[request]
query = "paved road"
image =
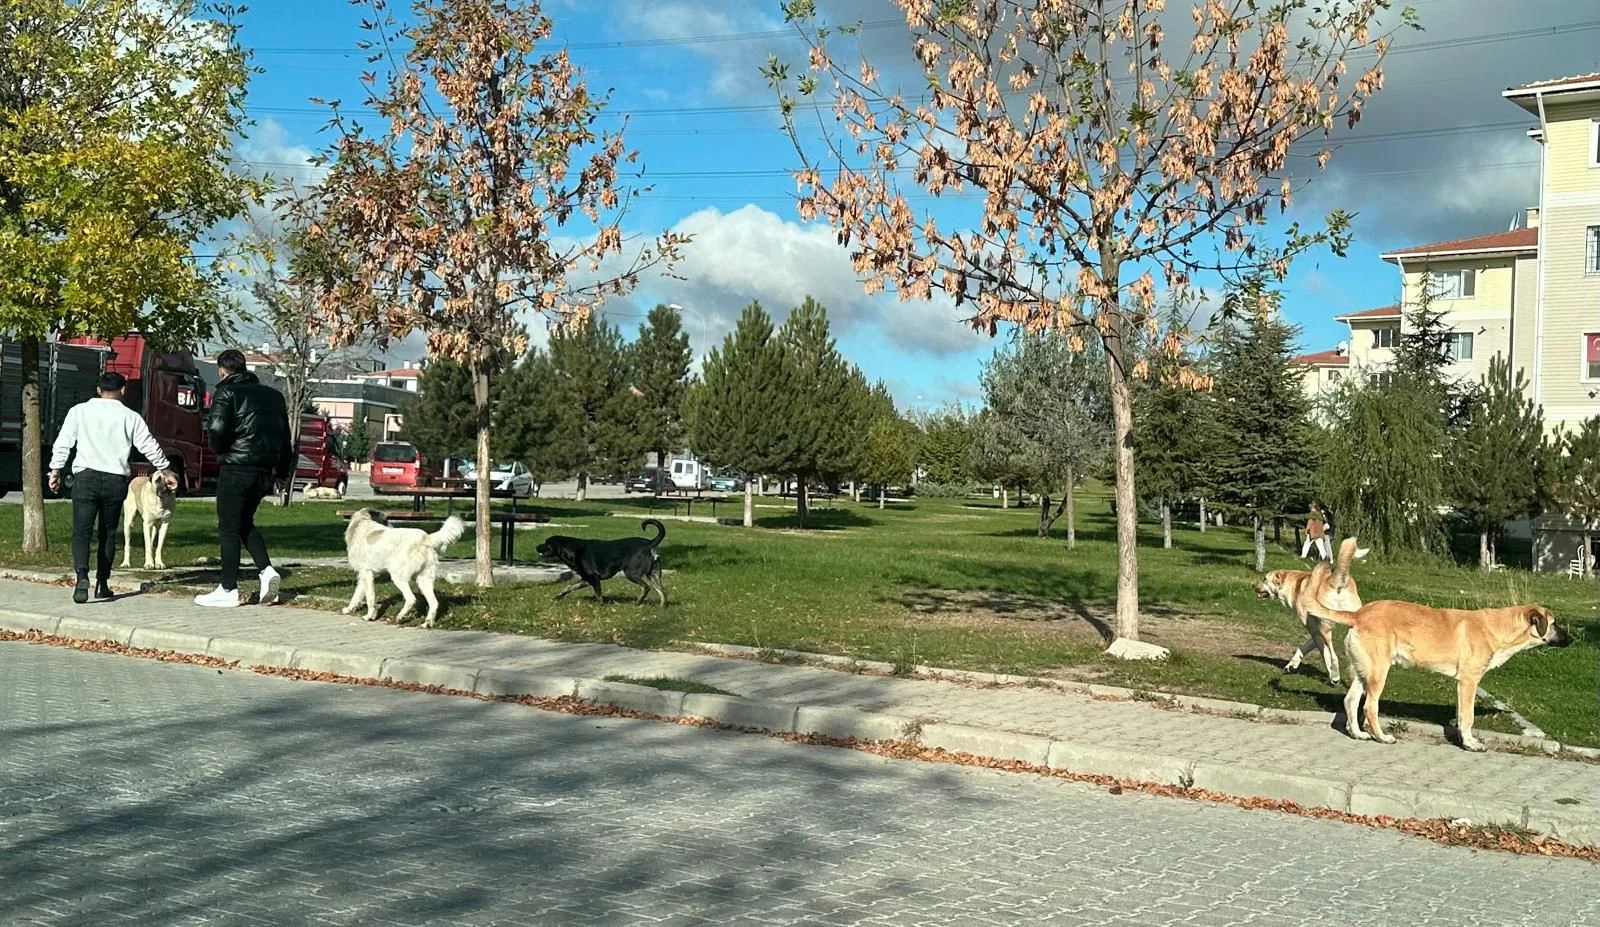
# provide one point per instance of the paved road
(136, 792)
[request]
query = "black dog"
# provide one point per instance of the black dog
(593, 561)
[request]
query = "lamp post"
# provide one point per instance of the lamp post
(699, 315)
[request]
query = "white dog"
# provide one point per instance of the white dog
(406, 554)
(153, 502)
(322, 492)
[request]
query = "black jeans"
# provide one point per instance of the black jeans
(239, 493)
(96, 497)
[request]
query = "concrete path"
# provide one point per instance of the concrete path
(1307, 763)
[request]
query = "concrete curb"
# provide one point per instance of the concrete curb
(1242, 710)
(1573, 824)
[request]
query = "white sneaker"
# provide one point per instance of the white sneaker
(269, 587)
(218, 598)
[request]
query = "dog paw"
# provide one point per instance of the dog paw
(1385, 738)
(1359, 734)
(371, 616)
(347, 611)
(1473, 744)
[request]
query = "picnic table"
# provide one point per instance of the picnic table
(508, 521)
(688, 502)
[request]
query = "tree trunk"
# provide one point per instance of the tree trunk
(1261, 544)
(800, 502)
(294, 442)
(1072, 514)
(1166, 523)
(482, 551)
(883, 493)
(1277, 530)
(35, 539)
(1485, 554)
(1127, 625)
(1202, 514)
(1005, 498)
(749, 504)
(583, 487)
(1044, 515)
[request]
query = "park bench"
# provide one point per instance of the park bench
(508, 522)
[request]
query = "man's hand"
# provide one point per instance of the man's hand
(55, 481)
(170, 478)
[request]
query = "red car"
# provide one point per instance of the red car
(398, 466)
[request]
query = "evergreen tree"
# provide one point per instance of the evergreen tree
(1496, 456)
(891, 453)
(1577, 481)
(1169, 426)
(357, 444)
(658, 363)
(526, 422)
(944, 448)
(823, 419)
(440, 421)
(596, 429)
(1261, 413)
(738, 413)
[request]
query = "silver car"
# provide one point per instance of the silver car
(505, 476)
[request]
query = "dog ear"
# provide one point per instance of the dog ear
(1361, 552)
(1539, 619)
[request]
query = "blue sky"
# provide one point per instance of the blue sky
(1438, 156)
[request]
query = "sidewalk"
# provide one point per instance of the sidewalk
(1306, 763)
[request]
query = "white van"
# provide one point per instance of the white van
(688, 474)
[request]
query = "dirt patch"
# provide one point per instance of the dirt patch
(1082, 623)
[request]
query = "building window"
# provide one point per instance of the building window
(1453, 284)
(1335, 376)
(1591, 250)
(1458, 345)
(1385, 337)
(1591, 356)
(1383, 379)
(1594, 143)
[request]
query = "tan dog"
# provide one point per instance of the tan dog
(1449, 641)
(1298, 590)
(153, 502)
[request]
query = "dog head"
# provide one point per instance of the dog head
(167, 494)
(1544, 628)
(1271, 585)
(556, 547)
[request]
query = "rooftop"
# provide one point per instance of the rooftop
(1513, 242)
(1583, 86)
(1323, 359)
(1382, 312)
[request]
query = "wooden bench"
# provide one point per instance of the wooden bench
(508, 522)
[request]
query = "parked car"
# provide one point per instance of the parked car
(504, 475)
(727, 482)
(651, 480)
(398, 466)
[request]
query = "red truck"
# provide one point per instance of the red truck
(320, 461)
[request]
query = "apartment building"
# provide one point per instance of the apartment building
(1531, 293)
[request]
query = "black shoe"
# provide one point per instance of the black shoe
(102, 590)
(80, 592)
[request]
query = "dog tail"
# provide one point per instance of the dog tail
(448, 533)
(1348, 553)
(1337, 616)
(661, 531)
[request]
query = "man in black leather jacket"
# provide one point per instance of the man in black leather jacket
(248, 427)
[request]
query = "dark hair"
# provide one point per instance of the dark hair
(111, 381)
(231, 361)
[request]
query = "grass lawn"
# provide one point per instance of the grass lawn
(963, 585)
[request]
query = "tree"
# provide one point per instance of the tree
(1497, 456)
(945, 447)
(455, 220)
(439, 422)
(822, 421)
(1101, 161)
(528, 416)
(1169, 426)
(1577, 484)
(357, 443)
(117, 122)
(659, 364)
(891, 453)
(738, 413)
(1262, 418)
(283, 316)
(595, 428)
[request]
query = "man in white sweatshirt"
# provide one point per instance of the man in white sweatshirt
(104, 431)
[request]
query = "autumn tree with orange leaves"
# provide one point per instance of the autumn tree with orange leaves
(1102, 163)
(488, 199)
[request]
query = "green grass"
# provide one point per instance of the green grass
(670, 684)
(962, 585)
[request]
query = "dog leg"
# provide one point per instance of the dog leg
(1330, 660)
(355, 596)
(425, 584)
(577, 584)
(1352, 698)
(1466, 704)
(1376, 677)
(595, 584)
(149, 544)
(127, 534)
(372, 595)
(161, 544)
(404, 584)
(1300, 654)
(655, 580)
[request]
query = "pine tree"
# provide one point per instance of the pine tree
(596, 429)
(821, 420)
(526, 422)
(1577, 482)
(738, 413)
(890, 455)
(357, 444)
(440, 422)
(1496, 456)
(945, 447)
(1261, 413)
(1168, 426)
(658, 364)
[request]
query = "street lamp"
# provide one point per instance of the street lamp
(699, 315)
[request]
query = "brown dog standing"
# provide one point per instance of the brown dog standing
(1299, 590)
(1450, 641)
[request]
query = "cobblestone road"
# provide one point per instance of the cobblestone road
(135, 792)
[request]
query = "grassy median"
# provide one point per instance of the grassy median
(964, 585)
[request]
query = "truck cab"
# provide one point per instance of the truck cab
(167, 391)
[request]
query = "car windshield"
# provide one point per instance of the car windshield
(394, 453)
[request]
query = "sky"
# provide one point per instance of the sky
(1438, 155)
